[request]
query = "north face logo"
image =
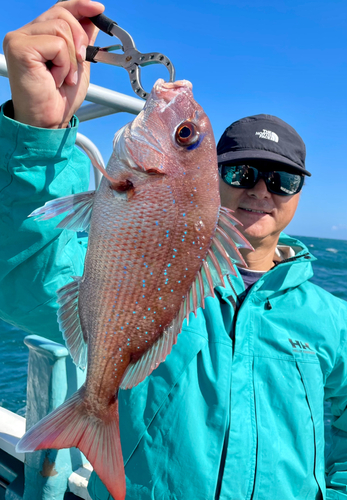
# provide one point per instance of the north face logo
(267, 134)
(299, 346)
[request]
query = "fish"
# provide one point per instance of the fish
(159, 242)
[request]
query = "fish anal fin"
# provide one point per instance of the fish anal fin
(70, 425)
(136, 372)
(69, 322)
(78, 208)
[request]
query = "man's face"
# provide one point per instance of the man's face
(263, 214)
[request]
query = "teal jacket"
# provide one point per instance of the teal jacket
(236, 411)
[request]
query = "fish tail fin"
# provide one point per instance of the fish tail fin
(70, 425)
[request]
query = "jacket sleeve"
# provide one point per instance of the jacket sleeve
(36, 259)
(336, 394)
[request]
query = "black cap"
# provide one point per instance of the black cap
(263, 138)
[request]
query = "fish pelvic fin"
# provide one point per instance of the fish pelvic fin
(97, 436)
(69, 322)
(78, 208)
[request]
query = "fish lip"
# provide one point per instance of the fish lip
(164, 93)
(161, 85)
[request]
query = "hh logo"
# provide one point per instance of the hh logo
(299, 346)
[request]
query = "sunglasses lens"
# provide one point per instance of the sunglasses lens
(277, 182)
(242, 176)
(284, 183)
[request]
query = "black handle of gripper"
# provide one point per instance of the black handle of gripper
(103, 22)
(91, 53)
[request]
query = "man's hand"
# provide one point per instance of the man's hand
(46, 63)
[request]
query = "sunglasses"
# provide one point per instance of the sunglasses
(246, 177)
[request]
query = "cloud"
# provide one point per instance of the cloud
(339, 227)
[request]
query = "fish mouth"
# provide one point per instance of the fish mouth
(168, 90)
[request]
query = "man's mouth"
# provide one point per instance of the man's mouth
(254, 211)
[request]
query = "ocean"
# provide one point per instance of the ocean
(330, 273)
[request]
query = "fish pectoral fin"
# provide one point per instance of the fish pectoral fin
(97, 436)
(79, 208)
(70, 324)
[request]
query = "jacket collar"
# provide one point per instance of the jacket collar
(294, 269)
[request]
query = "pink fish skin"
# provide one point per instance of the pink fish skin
(150, 231)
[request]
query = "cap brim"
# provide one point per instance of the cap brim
(262, 155)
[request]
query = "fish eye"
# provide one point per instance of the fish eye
(187, 133)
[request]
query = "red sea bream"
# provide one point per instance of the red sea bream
(158, 244)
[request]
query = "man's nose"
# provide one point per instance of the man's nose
(259, 191)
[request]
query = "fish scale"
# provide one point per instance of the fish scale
(158, 244)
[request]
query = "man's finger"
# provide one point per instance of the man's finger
(90, 29)
(60, 29)
(72, 11)
(59, 55)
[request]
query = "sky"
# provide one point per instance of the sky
(287, 58)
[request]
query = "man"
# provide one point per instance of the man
(236, 410)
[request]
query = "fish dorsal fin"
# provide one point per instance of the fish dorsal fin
(221, 256)
(70, 324)
(79, 208)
